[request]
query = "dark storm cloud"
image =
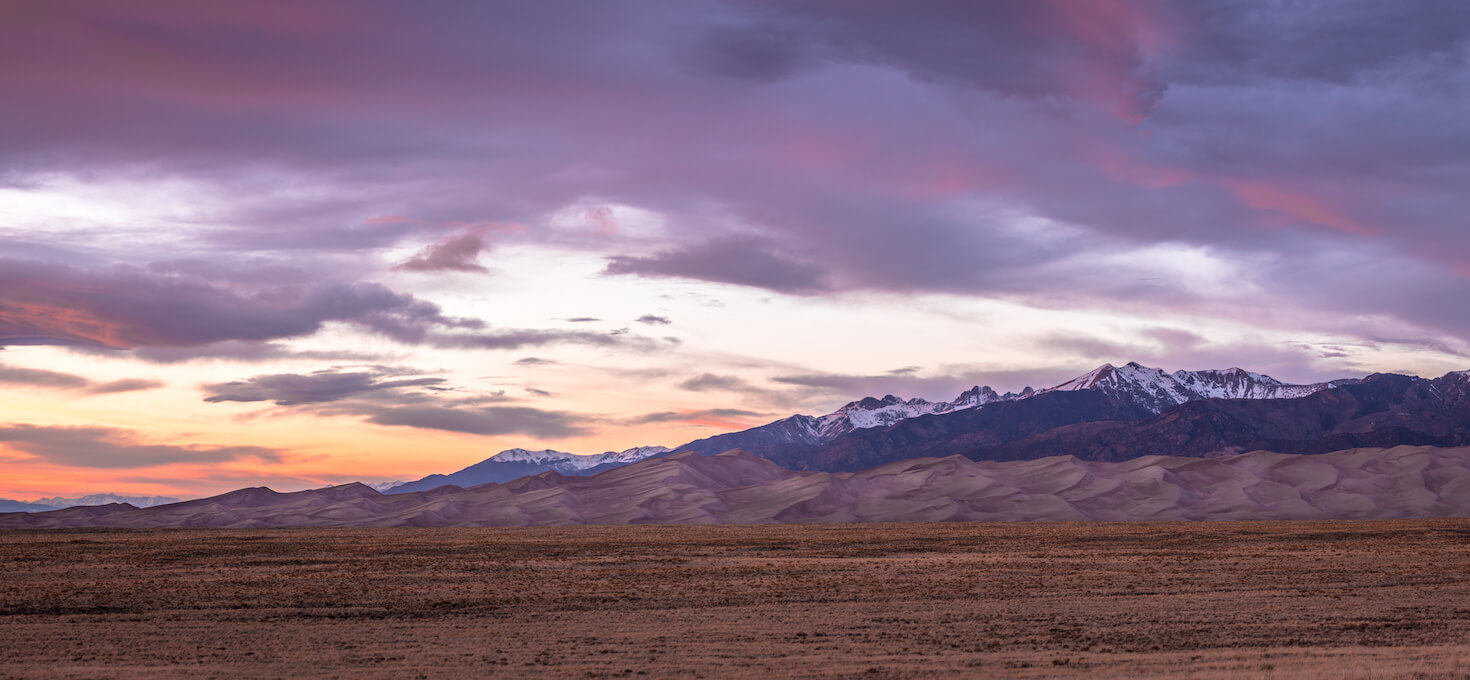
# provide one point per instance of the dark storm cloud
(1016, 47)
(98, 447)
(491, 420)
(1026, 149)
(1342, 40)
(742, 261)
(760, 52)
(290, 389)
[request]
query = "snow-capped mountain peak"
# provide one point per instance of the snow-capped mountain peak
(1158, 391)
(871, 412)
(890, 410)
(563, 461)
(527, 456)
(632, 455)
(105, 499)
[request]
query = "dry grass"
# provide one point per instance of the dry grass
(1270, 599)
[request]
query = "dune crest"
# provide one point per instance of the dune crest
(736, 487)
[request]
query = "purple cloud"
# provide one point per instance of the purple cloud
(34, 377)
(1015, 149)
(128, 308)
(99, 447)
(290, 389)
(41, 378)
(488, 420)
(456, 253)
(742, 261)
(727, 417)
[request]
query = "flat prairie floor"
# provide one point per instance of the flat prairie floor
(1382, 599)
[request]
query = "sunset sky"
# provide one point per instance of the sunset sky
(299, 243)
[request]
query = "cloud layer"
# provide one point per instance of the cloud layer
(98, 447)
(319, 190)
(993, 148)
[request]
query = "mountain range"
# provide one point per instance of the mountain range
(847, 439)
(58, 502)
(737, 487)
(1129, 424)
(516, 463)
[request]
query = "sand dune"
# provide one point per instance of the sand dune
(736, 487)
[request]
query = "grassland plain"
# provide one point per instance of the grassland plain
(1381, 599)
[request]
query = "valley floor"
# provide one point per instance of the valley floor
(1211, 600)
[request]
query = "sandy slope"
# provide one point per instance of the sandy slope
(739, 488)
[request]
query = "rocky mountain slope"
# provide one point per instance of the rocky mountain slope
(736, 487)
(1382, 410)
(7, 505)
(855, 436)
(852, 437)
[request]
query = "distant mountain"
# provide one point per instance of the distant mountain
(787, 438)
(106, 498)
(7, 505)
(853, 437)
(516, 463)
(1157, 391)
(872, 432)
(1382, 410)
(58, 502)
(736, 487)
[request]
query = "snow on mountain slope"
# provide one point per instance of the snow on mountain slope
(1134, 387)
(890, 410)
(562, 461)
(106, 499)
(515, 463)
(1143, 389)
(1158, 391)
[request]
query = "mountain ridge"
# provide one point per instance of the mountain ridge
(827, 442)
(60, 502)
(737, 487)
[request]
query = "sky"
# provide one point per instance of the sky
(301, 243)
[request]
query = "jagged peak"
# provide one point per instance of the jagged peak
(873, 403)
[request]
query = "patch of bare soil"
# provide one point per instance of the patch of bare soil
(1216, 600)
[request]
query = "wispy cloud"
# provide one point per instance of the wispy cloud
(98, 447)
(34, 377)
